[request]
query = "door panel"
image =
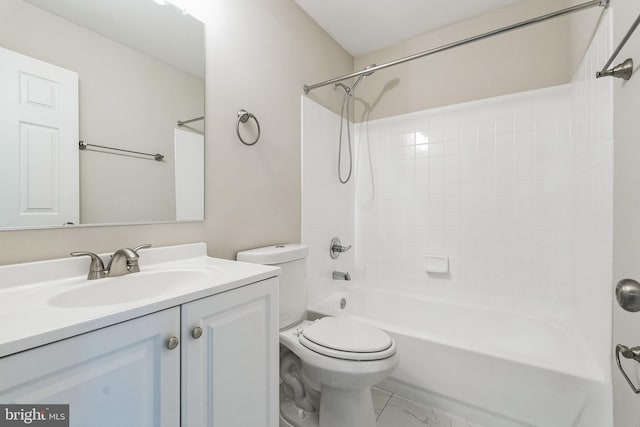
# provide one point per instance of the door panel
(39, 142)
(230, 373)
(626, 325)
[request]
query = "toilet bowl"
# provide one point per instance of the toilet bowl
(340, 358)
(343, 375)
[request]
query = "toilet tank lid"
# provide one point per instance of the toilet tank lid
(276, 254)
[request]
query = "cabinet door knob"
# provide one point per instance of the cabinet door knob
(172, 343)
(196, 332)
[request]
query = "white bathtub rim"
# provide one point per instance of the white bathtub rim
(584, 367)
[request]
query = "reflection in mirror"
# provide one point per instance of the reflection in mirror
(113, 73)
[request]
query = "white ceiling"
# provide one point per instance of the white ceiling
(362, 26)
(161, 32)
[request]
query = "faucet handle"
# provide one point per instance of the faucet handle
(336, 248)
(137, 248)
(96, 268)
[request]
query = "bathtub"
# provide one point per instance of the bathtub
(498, 368)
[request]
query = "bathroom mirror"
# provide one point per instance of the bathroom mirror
(118, 75)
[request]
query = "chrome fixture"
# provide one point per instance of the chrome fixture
(83, 146)
(621, 71)
(336, 248)
(348, 93)
(123, 261)
(340, 275)
(96, 268)
(625, 69)
(184, 122)
(542, 18)
(628, 353)
(172, 343)
(196, 332)
(628, 295)
(243, 117)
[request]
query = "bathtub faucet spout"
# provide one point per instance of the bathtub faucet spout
(339, 275)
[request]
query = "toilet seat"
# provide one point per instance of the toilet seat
(347, 339)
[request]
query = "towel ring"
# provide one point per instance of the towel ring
(243, 117)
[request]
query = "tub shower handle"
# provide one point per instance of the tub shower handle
(628, 353)
(336, 248)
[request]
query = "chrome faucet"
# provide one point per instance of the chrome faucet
(339, 275)
(123, 261)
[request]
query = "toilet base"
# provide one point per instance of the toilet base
(346, 408)
(292, 416)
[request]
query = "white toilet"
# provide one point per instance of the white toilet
(340, 358)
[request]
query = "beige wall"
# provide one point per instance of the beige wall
(582, 27)
(127, 100)
(263, 52)
(259, 55)
(530, 58)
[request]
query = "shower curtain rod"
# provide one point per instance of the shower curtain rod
(542, 18)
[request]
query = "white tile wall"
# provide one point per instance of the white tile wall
(592, 190)
(486, 183)
(327, 205)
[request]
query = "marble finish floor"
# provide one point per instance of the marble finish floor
(393, 410)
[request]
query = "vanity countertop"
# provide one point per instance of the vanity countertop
(31, 314)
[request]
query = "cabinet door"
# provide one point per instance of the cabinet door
(122, 375)
(230, 373)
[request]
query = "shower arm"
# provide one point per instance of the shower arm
(532, 21)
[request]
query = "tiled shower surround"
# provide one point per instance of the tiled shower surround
(516, 190)
(505, 187)
(485, 184)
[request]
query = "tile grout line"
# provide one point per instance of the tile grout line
(385, 405)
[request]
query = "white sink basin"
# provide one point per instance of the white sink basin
(128, 288)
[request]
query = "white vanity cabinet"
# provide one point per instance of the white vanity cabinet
(230, 358)
(127, 374)
(122, 375)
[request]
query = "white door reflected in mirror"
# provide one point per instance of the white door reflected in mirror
(39, 129)
(135, 79)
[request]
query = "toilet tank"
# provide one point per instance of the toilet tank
(292, 259)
